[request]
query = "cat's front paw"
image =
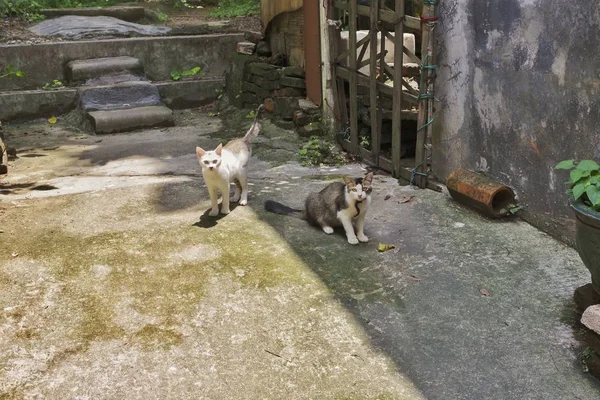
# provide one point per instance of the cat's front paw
(243, 202)
(328, 230)
(353, 240)
(362, 238)
(213, 213)
(225, 212)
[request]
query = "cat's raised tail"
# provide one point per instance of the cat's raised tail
(278, 208)
(256, 127)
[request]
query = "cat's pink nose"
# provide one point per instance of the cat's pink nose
(211, 168)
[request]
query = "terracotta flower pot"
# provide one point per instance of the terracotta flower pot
(588, 239)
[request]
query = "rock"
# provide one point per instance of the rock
(293, 82)
(295, 72)
(250, 98)
(254, 37)
(261, 68)
(269, 105)
(265, 84)
(263, 49)
(586, 296)
(3, 169)
(246, 48)
(289, 92)
(285, 107)
(591, 318)
(592, 362)
(283, 124)
(301, 118)
(278, 59)
(77, 27)
(312, 129)
(308, 106)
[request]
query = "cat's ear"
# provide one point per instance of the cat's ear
(200, 152)
(348, 181)
(219, 149)
(369, 177)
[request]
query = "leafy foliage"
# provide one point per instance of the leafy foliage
(10, 71)
(176, 75)
(236, 8)
(584, 181)
(319, 152)
(55, 84)
(28, 10)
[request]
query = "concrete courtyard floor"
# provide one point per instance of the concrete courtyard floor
(115, 283)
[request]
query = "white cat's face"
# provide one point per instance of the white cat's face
(359, 189)
(209, 160)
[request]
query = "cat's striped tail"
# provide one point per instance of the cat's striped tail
(256, 127)
(278, 208)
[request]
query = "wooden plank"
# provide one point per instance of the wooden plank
(345, 53)
(413, 57)
(388, 16)
(364, 63)
(375, 132)
(363, 51)
(312, 53)
(397, 94)
(423, 118)
(368, 158)
(345, 73)
(353, 74)
(340, 106)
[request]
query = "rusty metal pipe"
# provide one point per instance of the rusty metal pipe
(480, 192)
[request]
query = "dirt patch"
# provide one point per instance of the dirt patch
(14, 31)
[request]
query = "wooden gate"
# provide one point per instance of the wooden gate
(372, 93)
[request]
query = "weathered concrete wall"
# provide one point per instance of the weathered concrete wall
(519, 84)
(43, 62)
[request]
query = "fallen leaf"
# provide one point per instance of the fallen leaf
(405, 199)
(416, 278)
(52, 120)
(485, 292)
(387, 196)
(15, 254)
(385, 247)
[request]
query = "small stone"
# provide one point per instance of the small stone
(308, 106)
(288, 81)
(3, 169)
(254, 37)
(263, 49)
(586, 296)
(250, 87)
(301, 118)
(591, 318)
(285, 107)
(289, 92)
(265, 84)
(246, 48)
(592, 362)
(312, 129)
(269, 105)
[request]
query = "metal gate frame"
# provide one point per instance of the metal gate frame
(381, 16)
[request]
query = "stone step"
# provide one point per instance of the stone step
(119, 96)
(82, 70)
(115, 121)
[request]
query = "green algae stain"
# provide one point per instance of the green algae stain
(152, 336)
(97, 322)
(326, 178)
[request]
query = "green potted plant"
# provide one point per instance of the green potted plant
(584, 198)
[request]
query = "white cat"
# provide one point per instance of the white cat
(224, 165)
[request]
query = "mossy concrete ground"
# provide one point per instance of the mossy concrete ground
(115, 283)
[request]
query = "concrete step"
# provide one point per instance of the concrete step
(118, 96)
(130, 119)
(82, 70)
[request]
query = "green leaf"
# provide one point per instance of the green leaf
(567, 164)
(578, 174)
(578, 190)
(588, 165)
(593, 193)
(20, 74)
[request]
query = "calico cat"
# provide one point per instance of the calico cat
(338, 204)
(228, 164)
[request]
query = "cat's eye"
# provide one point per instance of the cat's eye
(353, 190)
(206, 162)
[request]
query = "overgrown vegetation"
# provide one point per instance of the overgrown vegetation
(320, 152)
(236, 8)
(584, 181)
(177, 75)
(9, 70)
